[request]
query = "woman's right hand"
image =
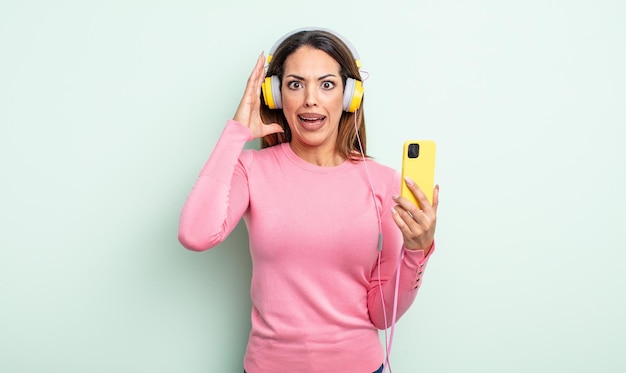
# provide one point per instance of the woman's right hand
(248, 112)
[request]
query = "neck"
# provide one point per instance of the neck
(317, 155)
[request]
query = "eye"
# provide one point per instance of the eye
(327, 85)
(294, 85)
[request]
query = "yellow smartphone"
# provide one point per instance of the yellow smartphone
(418, 164)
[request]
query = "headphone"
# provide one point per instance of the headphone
(353, 91)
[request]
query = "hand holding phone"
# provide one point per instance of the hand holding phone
(418, 164)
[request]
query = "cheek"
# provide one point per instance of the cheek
(334, 101)
(290, 102)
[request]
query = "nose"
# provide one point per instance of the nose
(310, 97)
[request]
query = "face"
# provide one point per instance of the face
(312, 94)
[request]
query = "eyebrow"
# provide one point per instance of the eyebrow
(320, 78)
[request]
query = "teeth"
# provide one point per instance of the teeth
(311, 119)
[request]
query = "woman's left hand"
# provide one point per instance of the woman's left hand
(417, 226)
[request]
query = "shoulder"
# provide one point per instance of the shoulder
(250, 157)
(384, 178)
(381, 170)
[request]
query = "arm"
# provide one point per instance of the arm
(400, 251)
(411, 263)
(219, 197)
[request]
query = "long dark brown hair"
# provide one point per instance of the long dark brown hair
(347, 141)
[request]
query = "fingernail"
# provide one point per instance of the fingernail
(395, 197)
(393, 210)
(408, 181)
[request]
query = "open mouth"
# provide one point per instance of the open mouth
(311, 118)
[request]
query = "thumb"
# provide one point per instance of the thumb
(272, 128)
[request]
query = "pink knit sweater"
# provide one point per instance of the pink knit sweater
(316, 301)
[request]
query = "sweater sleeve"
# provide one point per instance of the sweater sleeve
(219, 197)
(394, 257)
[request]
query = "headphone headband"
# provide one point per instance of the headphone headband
(355, 54)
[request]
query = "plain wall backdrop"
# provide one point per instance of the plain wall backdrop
(108, 110)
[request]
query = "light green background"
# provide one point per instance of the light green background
(108, 110)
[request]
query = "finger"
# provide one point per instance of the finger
(271, 128)
(413, 234)
(260, 69)
(254, 83)
(402, 219)
(436, 198)
(250, 99)
(407, 206)
(417, 229)
(414, 222)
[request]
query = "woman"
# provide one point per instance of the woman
(316, 208)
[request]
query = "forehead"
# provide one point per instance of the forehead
(310, 60)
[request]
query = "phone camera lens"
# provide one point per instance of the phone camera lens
(414, 150)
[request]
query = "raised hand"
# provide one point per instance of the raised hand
(248, 112)
(417, 226)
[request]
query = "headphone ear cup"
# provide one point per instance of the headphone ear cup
(271, 92)
(352, 95)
